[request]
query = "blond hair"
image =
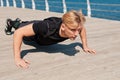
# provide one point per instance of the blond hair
(73, 18)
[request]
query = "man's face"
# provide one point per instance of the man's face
(72, 32)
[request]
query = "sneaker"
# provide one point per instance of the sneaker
(12, 24)
(8, 27)
(16, 23)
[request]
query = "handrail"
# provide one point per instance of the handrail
(102, 4)
(47, 5)
(14, 3)
(1, 1)
(7, 2)
(33, 5)
(64, 6)
(88, 8)
(23, 4)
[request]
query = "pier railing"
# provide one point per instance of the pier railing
(90, 9)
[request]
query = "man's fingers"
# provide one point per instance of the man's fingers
(93, 51)
(90, 51)
(23, 64)
(26, 61)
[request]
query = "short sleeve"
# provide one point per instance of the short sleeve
(40, 28)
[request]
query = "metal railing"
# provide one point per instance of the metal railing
(90, 9)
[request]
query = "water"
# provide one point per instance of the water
(109, 9)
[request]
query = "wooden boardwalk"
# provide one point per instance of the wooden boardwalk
(63, 61)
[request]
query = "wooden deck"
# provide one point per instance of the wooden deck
(63, 61)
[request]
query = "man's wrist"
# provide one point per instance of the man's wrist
(84, 46)
(17, 57)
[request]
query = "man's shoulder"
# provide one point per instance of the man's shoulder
(54, 19)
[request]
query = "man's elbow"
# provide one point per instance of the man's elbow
(18, 33)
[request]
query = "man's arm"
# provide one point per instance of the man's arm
(84, 41)
(18, 37)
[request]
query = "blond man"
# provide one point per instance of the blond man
(47, 32)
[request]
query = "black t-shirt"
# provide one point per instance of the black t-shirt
(47, 31)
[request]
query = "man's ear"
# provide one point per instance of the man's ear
(63, 27)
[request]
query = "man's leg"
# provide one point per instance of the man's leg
(11, 24)
(16, 24)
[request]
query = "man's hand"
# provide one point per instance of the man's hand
(22, 63)
(88, 50)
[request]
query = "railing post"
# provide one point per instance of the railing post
(88, 9)
(1, 3)
(33, 4)
(64, 6)
(47, 5)
(14, 3)
(7, 3)
(23, 4)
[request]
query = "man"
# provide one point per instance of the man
(47, 32)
